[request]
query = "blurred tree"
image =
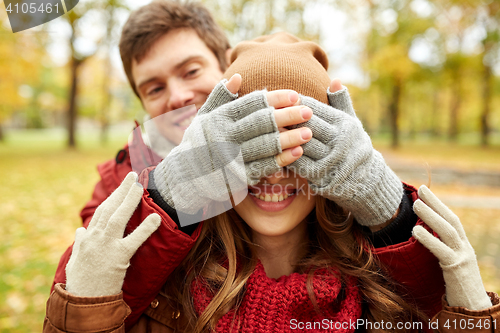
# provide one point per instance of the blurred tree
(459, 16)
(247, 19)
(448, 78)
(75, 18)
(489, 18)
(107, 81)
(19, 70)
(107, 68)
(454, 66)
(76, 60)
(460, 20)
(393, 28)
(101, 93)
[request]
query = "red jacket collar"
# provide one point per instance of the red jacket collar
(141, 156)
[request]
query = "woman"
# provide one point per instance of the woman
(315, 246)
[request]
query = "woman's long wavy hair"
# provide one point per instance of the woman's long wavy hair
(334, 241)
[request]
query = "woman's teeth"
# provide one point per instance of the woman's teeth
(185, 122)
(272, 197)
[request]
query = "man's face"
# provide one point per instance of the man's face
(178, 71)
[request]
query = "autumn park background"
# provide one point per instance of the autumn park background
(423, 75)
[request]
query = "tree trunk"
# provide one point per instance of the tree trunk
(103, 113)
(104, 118)
(487, 87)
(394, 113)
(104, 132)
(456, 101)
(72, 109)
(435, 112)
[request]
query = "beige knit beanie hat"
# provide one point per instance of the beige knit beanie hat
(281, 61)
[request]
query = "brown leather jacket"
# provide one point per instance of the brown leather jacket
(68, 313)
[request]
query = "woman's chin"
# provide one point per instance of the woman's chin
(271, 227)
(275, 219)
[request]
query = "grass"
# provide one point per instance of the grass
(44, 186)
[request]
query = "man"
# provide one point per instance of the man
(173, 56)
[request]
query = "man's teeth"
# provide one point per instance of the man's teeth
(185, 122)
(272, 197)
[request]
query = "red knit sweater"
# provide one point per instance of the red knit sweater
(283, 304)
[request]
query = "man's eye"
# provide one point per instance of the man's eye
(192, 72)
(155, 90)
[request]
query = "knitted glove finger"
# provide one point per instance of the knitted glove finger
(141, 233)
(253, 125)
(315, 149)
(326, 113)
(118, 221)
(433, 202)
(108, 207)
(323, 133)
(446, 232)
(260, 147)
(321, 129)
(445, 255)
(341, 100)
(219, 96)
(306, 168)
(246, 105)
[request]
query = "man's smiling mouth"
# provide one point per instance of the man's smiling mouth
(186, 121)
(186, 116)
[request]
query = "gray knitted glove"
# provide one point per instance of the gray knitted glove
(229, 145)
(101, 255)
(464, 286)
(340, 163)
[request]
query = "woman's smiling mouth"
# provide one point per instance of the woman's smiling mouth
(272, 198)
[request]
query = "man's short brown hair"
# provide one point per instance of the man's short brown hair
(149, 23)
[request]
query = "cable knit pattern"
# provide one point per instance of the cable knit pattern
(269, 305)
